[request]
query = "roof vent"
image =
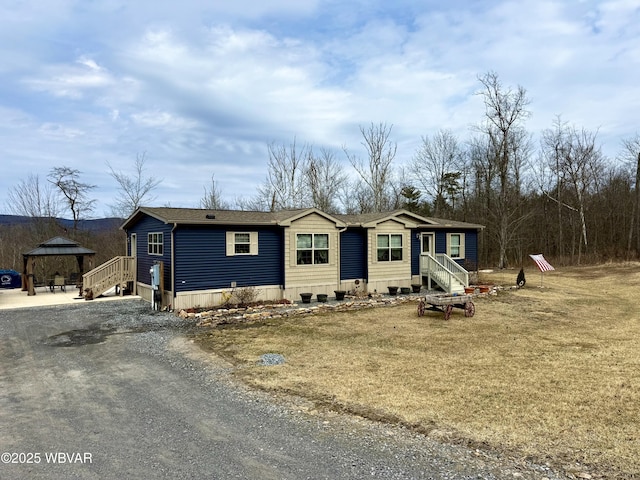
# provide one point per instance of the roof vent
(210, 216)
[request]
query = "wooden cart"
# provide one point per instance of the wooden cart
(445, 303)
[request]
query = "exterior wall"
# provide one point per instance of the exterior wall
(144, 260)
(202, 262)
(383, 274)
(214, 297)
(310, 278)
(471, 250)
(353, 254)
(415, 254)
(470, 260)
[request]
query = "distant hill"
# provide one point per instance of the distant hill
(94, 225)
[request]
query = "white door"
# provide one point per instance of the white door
(428, 244)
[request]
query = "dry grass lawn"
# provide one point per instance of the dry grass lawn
(549, 373)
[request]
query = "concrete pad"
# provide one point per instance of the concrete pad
(16, 298)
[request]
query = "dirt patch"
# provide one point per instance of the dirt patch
(80, 337)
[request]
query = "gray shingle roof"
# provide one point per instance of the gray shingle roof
(59, 246)
(193, 216)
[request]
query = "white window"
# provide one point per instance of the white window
(312, 248)
(155, 243)
(390, 247)
(455, 245)
(242, 243)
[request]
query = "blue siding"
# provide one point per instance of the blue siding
(470, 262)
(353, 254)
(415, 253)
(145, 261)
(471, 250)
(202, 263)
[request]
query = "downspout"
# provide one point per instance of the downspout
(173, 268)
(339, 254)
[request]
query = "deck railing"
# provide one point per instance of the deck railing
(444, 271)
(116, 271)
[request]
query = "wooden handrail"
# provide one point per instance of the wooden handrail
(444, 270)
(114, 272)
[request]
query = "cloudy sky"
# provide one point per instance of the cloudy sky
(203, 86)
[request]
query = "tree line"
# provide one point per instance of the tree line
(558, 195)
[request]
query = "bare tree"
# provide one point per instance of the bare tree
(437, 166)
(577, 165)
(212, 198)
(631, 154)
(31, 198)
(285, 185)
(376, 171)
(583, 165)
(135, 189)
(74, 191)
(507, 148)
(325, 178)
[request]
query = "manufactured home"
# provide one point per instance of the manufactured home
(203, 254)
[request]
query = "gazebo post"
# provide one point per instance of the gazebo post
(30, 286)
(24, 274)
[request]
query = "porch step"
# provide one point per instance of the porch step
(116, 272)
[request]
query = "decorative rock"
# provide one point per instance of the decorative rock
(270, 359)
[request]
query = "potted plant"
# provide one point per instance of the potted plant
(393, 290)
(416, 287)
(306, 297)
(322, 297)
(340, 294)
(405, 290)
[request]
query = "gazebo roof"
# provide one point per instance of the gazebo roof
(59, 246)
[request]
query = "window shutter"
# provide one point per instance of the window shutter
(254, 243)
(230, 244)
(462, 249)
(292, 249)
(333, 249)
(406, 248)
(373, 246)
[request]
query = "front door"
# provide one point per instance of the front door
(428, 244)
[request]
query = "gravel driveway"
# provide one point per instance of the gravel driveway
(114, 390)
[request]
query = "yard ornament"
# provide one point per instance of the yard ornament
(520, 281)
(542, 264)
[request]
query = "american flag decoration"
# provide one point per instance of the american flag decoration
(542, 264)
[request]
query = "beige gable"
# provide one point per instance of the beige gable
(311, 274)
(397, 269)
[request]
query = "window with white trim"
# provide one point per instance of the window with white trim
(155, 242)
(312, 248)
(455, 244)
(389, 247)
(242, 243)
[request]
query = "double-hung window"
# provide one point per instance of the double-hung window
(456, 245)
(312, 248)
(155, 243)
(389, 247)
(242, 243)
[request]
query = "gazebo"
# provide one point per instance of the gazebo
(54, 247)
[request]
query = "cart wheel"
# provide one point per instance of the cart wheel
(421, 308)
(447, 311)
(469, 309)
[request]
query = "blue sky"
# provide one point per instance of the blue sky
(203, 86)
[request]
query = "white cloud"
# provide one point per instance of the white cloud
(208, 84)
